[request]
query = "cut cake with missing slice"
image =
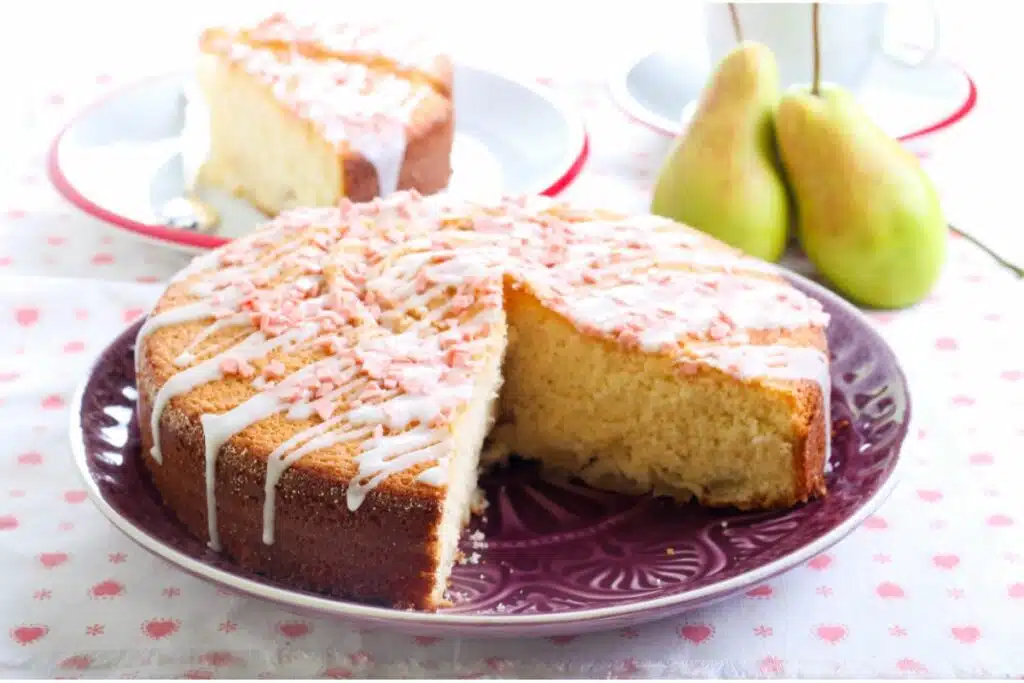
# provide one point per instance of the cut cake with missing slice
(313, 397)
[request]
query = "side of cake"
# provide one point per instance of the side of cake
(305, 114)
(314, 397)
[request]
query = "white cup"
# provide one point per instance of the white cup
(852, 36)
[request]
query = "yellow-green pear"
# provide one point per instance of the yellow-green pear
(721, 175)
(868, 216)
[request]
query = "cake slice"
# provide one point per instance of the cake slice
(303, 115)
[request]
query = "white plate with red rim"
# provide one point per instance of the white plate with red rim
(125, 156)
(660, 88)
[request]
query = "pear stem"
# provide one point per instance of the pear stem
(996, 257)
(735, 16)
(816, 78)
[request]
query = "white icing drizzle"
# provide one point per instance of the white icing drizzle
(280, 460)
(253, 346)
(187, 357)
(775, 361)
(217, 429)
(384, 148)
(175, 316)
(400, 295)
(385, 455)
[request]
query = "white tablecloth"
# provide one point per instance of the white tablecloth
(932, 584)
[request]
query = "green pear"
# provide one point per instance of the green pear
(868, 216)
(722, 175)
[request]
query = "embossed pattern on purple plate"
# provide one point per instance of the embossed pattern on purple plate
(559, 558)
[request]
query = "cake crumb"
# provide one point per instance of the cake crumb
(457, 596)
(473, 558)
(670, 551)
(478, 540)
(479, 504)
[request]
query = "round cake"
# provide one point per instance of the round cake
(314, 397)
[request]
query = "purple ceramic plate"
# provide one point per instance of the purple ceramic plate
(560, 559)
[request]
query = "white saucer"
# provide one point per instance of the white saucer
(126, 155)
(660, 89)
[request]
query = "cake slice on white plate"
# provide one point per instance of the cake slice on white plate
(304, 114)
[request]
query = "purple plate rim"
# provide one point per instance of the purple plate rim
(510, 625)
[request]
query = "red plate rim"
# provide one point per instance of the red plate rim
(619, 93)
(195, 240)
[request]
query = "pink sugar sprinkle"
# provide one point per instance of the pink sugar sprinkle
(245, 369)
(461, 303)
(718, 330)
(422, 282)
(274, 369)
(324, 407)
(590, 278)
(378, 432)
(457, 358)
(689, 368)
(229, 365)
(414, 386)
